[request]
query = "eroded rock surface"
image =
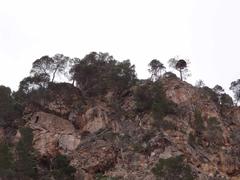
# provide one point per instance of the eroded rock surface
(53, 133)
(111, 138)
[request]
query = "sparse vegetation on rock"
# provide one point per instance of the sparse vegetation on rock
(172, 168)
(106, 124)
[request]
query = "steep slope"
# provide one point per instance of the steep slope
(185, 134)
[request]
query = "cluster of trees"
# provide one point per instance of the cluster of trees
(219, 95)
(98, 73)
(10, 109)
(157, 68)
(94, 74)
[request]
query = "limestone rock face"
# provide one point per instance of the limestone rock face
(68, 142)
(92, 120)
(52, 133)
(186, 95)
(96, 119)
(108, 136)
(95, 157)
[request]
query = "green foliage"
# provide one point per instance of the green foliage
(181, 66)
(172, 168)
(143, 98)
(161, 107)
(32, 88)
(166, 125)
(170, 75)
(100, 176)
(6, 105)
(196, 138)
(98, 72)
(156, 68)
(209, 136)
(61, 168)
(235, 137)
(208, 92)
(26, 163)
(213, 123)
(50, 65)
(198, 123)
(214, 132)
(138, 147)
(9, 109)
(226, 100)
(6, 161)
(150, 97)
(143, 146)
(235, 87)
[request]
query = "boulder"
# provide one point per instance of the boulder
(52, 133)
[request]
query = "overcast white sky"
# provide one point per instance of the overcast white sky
(207, 32)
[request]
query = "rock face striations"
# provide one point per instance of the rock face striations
(162, 130)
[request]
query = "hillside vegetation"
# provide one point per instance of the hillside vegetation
(106, 124)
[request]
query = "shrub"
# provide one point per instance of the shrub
(166, 125)
(98, 72)
(26, 163)
(214, 132)
(211, 94)
(143, 98)
(9, 108)
(138, 147)
(151, 97)
(226, 100)
(161, 105)
(172, 168)
(198, 123)
(62, 169)
(6, 161)
(100, 176)
(213, 123)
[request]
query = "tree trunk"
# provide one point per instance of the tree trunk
(181, 74)
(54, 74)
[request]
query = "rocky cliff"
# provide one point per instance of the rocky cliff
(109, 137)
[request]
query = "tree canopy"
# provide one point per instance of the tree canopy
(180, 65)
(235, 87)
(97, 72)
(9, 109)
(50, 65)
(156, 68)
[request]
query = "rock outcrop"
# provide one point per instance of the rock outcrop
(109, 137)
(53, 134)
